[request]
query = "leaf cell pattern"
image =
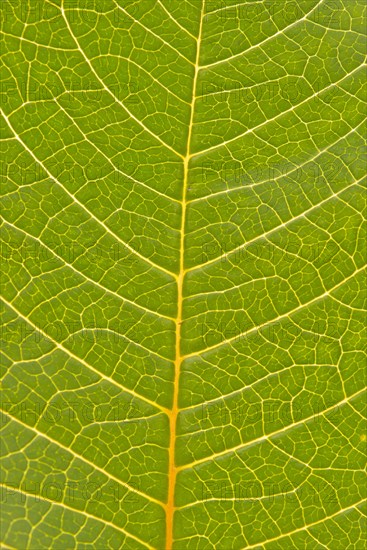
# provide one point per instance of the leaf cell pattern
(184, 251)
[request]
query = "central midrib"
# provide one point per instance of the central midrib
(172, 471)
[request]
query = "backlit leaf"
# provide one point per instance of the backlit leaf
(183, 253)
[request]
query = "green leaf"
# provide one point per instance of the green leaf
(184, 251)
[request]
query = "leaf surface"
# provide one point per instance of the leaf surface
(184, 251)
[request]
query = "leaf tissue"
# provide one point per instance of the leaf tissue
(183, 290)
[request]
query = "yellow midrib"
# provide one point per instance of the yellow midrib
(172, 471)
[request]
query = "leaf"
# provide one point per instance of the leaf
(184, 252)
